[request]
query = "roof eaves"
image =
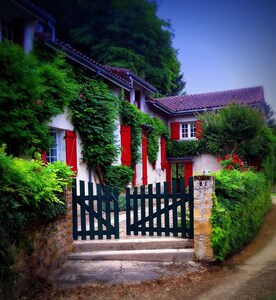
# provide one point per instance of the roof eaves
(34, 10)
(143, 83)
(160, 107)
(88, 63)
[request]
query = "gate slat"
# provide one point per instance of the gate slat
(150, 209)
(116, 213)
(91, 209)
(183, 208)
(107, 212)
(100, 211)
(166, 205)
(174, 212)
(135, 212)
(74, 210)
(83, 211)
(158, 208)
(128, 216)
(143, 210)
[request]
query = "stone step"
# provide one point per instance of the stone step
(133, 244)
(149, 255)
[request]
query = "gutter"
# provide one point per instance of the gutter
(146, 85)
(34, 10)
(88, 64)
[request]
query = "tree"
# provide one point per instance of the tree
(122, 33)
(31, 93)
(233, 129)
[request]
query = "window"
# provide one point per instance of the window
(6, 30)
(52, 154)
(188, 131)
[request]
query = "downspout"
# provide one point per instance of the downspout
(53, 31)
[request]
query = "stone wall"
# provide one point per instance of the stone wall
(45, 247)
(204, 187)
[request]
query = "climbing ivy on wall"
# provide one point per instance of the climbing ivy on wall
(94, 113)
(131, 115)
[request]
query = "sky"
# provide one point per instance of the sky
(224, 44)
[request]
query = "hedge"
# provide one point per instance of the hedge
(240, 203)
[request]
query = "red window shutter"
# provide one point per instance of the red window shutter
(188, 172)
(163, 154)
(44, 157)
(175, 130)
(199, 129)
(145, 158)
(126, 145)
(71, 149)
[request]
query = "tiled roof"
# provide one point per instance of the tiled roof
(126, 74)
(120, 76)
(206, 101)
(84, 60)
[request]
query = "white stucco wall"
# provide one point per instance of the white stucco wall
(205, 162)
(62, 122)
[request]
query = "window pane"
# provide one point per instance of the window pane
(184, 130)
(193, 130)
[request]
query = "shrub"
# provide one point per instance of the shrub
(29, 191)
(118, 176)
(240, 203)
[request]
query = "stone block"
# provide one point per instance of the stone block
(202, 227)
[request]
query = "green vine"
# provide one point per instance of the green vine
(93, 114)
(185, 148)
(131, 115)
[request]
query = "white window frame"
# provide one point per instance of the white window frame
(59, 146)
(8, 31)
(190, 129)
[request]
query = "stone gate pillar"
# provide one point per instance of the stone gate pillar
(204, 187)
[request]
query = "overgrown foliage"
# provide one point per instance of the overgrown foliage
(118, 176)
(240, 203)
(234, 129)
(94, 113)
(184, 148)
(131, 115)
(32, 91)
(29, 191)
(121, 33)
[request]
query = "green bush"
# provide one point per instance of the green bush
(240, 203)
(29, 191)
(184, 148)
(118, 176)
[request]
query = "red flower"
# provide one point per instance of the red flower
(38, 102)
(235, 156)
(230, 166)
(81, 95)
(219, 159)
(227, 156)
(235, 161)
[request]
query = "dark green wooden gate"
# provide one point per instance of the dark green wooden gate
(161, 213)
(148, 212)
(94, 214)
